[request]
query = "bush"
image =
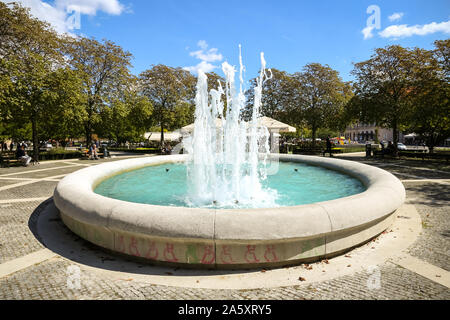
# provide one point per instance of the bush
(347, 149)
(137, 150)
(57, 154)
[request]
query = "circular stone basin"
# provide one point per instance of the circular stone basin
(167, 185)
(229, 238)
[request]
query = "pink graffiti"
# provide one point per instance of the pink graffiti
(152, 252)
(168, 250)
(270, 250)
(251, 252)
(132, 248)
(121, 245)
(209, 252)
(225, 255)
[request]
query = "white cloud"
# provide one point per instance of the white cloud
(211, 55)
(61, 14)
(206, 56)
(402, 31)
(396, 16)
(367, 32)
(203, 66)
(202, 44)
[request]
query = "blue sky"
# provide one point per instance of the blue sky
(290, 33)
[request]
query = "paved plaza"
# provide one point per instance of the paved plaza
(41, 259)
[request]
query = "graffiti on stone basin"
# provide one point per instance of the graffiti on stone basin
(208, 253)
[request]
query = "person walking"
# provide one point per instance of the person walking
(328, 150)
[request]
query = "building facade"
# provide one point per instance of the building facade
(362, 132)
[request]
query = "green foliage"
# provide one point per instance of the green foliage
(383, 87)
(323, 133)
(172, 93)
(64, 112)
(322, 97)
(405, 89)
(430, 95)
(103, 70)
(127, 118)
(279, 98)
(29, 52)
(59, 87)
(137, 150)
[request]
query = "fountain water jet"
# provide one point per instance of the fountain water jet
(228, 155)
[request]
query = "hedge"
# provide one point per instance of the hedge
(57, 154)
(137, 150)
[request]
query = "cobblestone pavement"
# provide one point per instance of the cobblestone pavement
(52, 278)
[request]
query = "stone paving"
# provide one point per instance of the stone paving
(17, 239)
(52, 278)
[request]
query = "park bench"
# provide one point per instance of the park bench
(418, 154)
(316, 150)
(307, 150)
(7, 158)
(331, 152)
(85, 154)
(378, 154)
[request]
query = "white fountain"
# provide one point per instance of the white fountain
(226, 171)
(228, 155)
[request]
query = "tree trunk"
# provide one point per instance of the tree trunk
(431, 143)
(35, 137)
(88, 125)
(162, 134)
(88, 135)
(395, 138)
(161, 120)
(314, 131)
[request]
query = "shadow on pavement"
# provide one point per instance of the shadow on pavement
(430, 194)
(46, 225)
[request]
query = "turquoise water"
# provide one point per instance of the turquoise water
(166, 185)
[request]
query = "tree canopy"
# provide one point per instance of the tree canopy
(171, 91)
(55, 86)
(405, 89)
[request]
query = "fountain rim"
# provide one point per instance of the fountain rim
(342, 223)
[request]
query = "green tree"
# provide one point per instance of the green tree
(128, 116)
(322, 97)
(279, 96)
(430, 94)
(383, 87)
(168, 89)
(103, 70)
(64, 113)
(30, 53)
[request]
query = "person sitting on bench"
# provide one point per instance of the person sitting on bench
(390, 148)
(93, 152)
(21, 155)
